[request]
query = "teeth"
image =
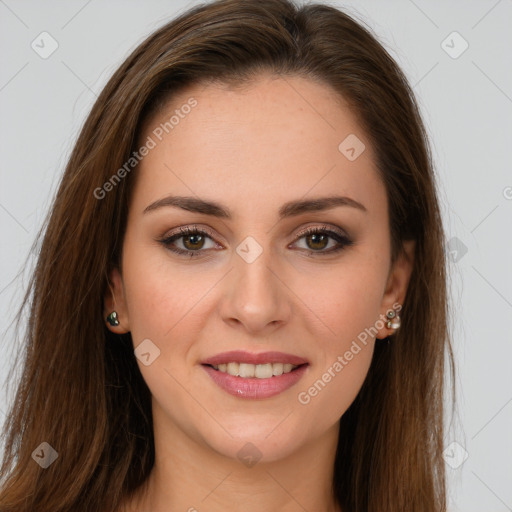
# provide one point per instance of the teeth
(263, 371)
(277, 369)
(246, 370)
(260, 371)
(231, 368)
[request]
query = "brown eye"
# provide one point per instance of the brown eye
(317, 240)
(192, 240)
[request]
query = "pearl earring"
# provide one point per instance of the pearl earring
(393, 320)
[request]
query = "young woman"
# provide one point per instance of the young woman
(240, 297)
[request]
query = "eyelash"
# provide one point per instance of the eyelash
(342, 240)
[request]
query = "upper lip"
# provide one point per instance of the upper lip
(241, 356)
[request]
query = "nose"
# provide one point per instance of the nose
(256, 298)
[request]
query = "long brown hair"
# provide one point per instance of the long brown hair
(81, 390)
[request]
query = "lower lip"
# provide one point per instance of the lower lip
(252, 387)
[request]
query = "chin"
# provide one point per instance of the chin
(257, 442)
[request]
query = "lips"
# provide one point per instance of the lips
(240, 356)
(254, 380)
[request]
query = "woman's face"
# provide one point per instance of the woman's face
(251, 170)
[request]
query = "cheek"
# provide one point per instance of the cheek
(343, 357)
(348, 299)
(163, 307)
(351, 312)
(330, 393)
(158, 296)
(349, 305)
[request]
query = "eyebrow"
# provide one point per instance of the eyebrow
(289, 209)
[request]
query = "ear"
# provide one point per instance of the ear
(114, 300)
(396, 286)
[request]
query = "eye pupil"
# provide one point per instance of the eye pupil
(193, 237)
(318, 238)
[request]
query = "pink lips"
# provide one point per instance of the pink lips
(255, 388)
(240, 356)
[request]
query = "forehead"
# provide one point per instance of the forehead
(275, 138)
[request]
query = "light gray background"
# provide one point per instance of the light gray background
(467, 106)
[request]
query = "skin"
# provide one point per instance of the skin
(253, 148)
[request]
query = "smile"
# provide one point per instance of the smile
(255, 376)
(260, 371)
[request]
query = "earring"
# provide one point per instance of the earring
(112, 319)
(393, 320)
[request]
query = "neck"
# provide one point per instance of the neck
(189, 475)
